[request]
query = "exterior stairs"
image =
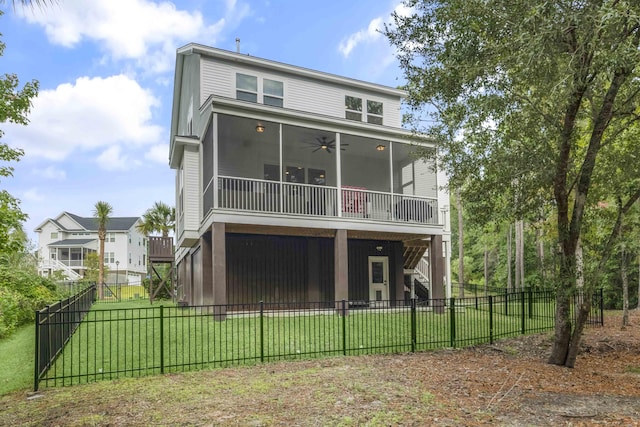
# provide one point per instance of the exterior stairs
(55, 265)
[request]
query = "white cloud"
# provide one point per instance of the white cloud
(112, 159)
(141, 30)
(33, 195)
(51, 173)
(89, 114)
(372, 33)
(158, 153)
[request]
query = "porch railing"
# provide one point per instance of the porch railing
(315, 200)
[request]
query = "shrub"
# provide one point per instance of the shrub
(21, 294)
(15, 310)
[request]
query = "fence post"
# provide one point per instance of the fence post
(262, 331)
(344, 328)
(161, 339)
(491, 319)
(530, 304)
(522, 316)
(413, 325)
(36, 369)
(452, 330)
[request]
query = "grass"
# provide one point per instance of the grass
(124, 340)
(16, 369)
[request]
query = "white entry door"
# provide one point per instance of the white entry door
(378, 279)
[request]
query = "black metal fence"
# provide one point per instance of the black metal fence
(112, 343)
(113, 291)
(55, 324)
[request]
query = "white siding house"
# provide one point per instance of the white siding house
(65, 241)
(298, 185)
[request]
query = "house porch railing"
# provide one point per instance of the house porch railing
(318, 200)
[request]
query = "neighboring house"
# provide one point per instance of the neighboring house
(294, 185)
(65, 241)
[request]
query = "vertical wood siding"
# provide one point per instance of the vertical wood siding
(276, 269)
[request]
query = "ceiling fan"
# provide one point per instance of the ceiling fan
(323, 143)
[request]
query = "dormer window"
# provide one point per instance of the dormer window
(246, 88)
(353, 107)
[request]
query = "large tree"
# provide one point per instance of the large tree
(102, 213)
(525, 96)
(15, 104)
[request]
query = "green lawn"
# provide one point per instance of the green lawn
(125, 339)
(16, 369)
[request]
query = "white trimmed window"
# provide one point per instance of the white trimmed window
(353, 108)
(374, 112)
(273, 93)
(246, 87)
(109, 257)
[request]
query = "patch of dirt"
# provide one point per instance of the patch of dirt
(508, 383)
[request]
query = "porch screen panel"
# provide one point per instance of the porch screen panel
(365, 163)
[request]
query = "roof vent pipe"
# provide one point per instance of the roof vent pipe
(238, 44)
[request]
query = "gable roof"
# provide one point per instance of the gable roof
(121, 223)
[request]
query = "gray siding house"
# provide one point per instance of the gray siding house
(294, 185)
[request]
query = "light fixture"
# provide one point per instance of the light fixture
(380, 147)
(260, 128)
(379, 248)
(323, 146)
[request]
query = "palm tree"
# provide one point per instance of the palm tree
(161, 218)
(101, 212)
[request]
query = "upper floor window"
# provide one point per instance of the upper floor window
(374, 112)
(353, 108)
(273, 93)
(246, 87)
(54, 235)
(269, 92)
(110, 237)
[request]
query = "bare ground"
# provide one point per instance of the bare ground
(508, 383)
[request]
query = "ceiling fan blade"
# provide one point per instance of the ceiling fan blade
(333, 141)
(319, 148)
(328, 150)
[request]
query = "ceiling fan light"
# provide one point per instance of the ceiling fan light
(260, 128)
(380, 147)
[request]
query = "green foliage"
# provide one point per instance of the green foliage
(160, 218)
(163, 293)
(15, 103)
(92, 262)
(21, 294)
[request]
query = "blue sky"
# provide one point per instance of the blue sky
(99, 129)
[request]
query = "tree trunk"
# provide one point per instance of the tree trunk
(562, 329)
(460, 246)
(509, 282)
(540, 251)
(101, 237)
(486, 268)
(579, 265)
(576, 336)
(519, 254)
(625, 289)
(638, 306)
